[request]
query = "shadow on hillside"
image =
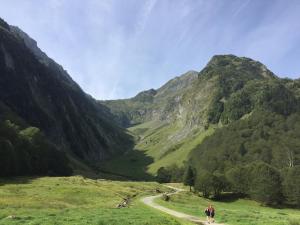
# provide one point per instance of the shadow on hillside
(16, 180)
(130, 166)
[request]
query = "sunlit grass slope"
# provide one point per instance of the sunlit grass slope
(75, 200)
(156, 146)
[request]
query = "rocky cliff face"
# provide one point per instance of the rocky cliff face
(152, 104)
(43, 95)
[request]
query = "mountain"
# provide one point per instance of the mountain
(174, 123)
(151, 104)
(37, 93)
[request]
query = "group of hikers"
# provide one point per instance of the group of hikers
(210, 214)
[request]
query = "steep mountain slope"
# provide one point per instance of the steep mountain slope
(151, 104)
(228, 89)
(262, 121)
(36, 91)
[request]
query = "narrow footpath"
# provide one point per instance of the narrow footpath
(150, 202)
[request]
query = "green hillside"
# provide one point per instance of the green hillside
(77, 200)
(235, 119)
(180, 114)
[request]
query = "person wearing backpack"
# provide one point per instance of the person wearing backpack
(211, 213)
(207, 213)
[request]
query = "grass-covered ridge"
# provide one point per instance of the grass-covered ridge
(76, 200)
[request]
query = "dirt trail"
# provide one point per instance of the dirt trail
(150, 202)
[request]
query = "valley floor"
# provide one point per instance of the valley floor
(78, 200)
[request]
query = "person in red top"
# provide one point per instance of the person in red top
(211, 214)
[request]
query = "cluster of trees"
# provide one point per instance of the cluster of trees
(258, 157)
(27, 152)
(258, 181)
(169, 174)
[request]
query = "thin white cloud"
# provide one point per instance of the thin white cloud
(114, 49)
(144, 15)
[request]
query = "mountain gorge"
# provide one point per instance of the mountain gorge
(38, 96)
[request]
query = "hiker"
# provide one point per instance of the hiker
(207, 213)
(211, 214)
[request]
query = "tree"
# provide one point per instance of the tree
(176, 173)
(28, 152)
(163, 175)
(265, 184)
(291, 185)
(218, 183)
(189, 177)
(203, 183)
(238, 179)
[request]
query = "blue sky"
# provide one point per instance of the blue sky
(116, 48)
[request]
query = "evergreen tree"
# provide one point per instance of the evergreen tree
(189, 177)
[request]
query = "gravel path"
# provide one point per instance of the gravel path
(150, 202)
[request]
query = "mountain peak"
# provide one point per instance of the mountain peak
(231, 65)
(145, 96)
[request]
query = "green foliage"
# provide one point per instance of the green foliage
(233, 75)
(215, 111)
(189, 177)
(269, 138)
(163, 175)
(291, 184)
(265, 184)
(169, 174)
(210, 184)
(238, 179)
(204, 183)
(27, 152)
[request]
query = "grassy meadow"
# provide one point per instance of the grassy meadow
(76, 200)
(233, 211)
